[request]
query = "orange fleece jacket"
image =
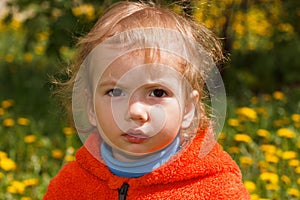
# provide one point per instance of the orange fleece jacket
(215, 176)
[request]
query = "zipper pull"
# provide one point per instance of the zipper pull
(123, 191)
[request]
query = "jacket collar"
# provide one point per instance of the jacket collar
(200, 159)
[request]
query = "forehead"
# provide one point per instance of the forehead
(140, 57)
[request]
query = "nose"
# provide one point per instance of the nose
(137, 111)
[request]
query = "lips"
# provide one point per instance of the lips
(135, 137)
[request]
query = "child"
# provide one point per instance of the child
(138, 106)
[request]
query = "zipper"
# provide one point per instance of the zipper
(123, 191)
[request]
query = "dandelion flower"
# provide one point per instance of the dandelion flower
(294, 162)
(271, 158)
(251, 187)
(277, 95)
(233, 122)
(268, 148)
(57, 153)
(286, 133)
(29, 139)
(287, 155)
(16, 187)
(68, 131)
(244, 160)
(272, 187)
(8, 122)
(1, 175)
(269, 177)
(235, 150)
(84, 9)
(296, 117)
(247, 113)
(26, 198)
(7, 164)
(293, 192)
(69, 158)
(30, 182)
(7, 103)
(286, 179)
(2, 111)
(263, 133)
(242, 138)
(23, 121)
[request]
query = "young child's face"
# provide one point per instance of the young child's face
(140, 103)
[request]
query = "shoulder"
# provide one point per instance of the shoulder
(68, 183)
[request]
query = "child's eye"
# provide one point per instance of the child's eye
(116, 92)
(158, 93)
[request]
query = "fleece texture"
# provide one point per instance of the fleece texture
(189, 176)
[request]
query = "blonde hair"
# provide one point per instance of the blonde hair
(127, 15)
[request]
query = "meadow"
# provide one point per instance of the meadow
(262, 136)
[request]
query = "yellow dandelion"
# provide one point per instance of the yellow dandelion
(16, 187)
(244, 160)
(28, 57)
(26, 198)
(233, 122)
(269, 177)
(69, 158)
(277, 95)
(286, 133)
(68, 131)
(263, 165)
(288, 155)
(247, 113)
(7, 164)
(255, 197)
(7, 103)
(39, 49)
(3, 155)
(29, 139)
(57, 153)
(2, 111)
(84, 9)
(263, 133)
(234, 150)
(270, 158)
(8, 122)
(296, 117)
(262, 111)
(23, 121)
(294, 163)
(297, 170)
(251, 187)
(222, 135)
(286, 179)
(268, 148)
(242, 138)
(272, 187)
(30, 182)
(1, 175)
(293, 192)
(298, 181)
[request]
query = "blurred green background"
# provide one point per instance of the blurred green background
(260, 38)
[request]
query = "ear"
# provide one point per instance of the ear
(90, 108)
(189, 110)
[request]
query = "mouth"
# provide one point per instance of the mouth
(135, 137)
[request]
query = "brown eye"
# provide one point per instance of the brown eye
(158, 93)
